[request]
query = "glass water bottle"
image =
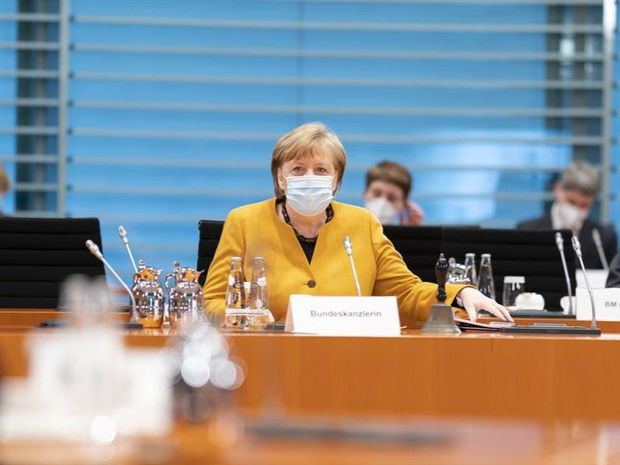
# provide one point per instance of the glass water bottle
(236, 313)
(486, 284)
(470, 268)
(258, 300)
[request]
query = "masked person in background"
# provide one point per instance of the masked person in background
(388, 186)
(300, 231)
(574, 195)
(4, 187)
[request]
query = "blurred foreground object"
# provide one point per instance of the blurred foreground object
(84, 388)
(89, 399)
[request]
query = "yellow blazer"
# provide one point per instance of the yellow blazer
(256, 230)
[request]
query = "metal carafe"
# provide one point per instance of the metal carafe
(185, 295)
(150, 296)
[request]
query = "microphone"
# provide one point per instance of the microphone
(94, 249)
(123, 235)
(559, 242)
(596, 237)
(348, 247)
(577, 249)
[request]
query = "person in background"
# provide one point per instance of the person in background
(388, 186)
(613, 279)
(299, 232)
(574, 196)
(5, 184)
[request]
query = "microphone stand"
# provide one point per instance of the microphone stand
(577, 249)
(348, 247)
(134, 323)
(559, 241)
(596, 237)
(123, 235)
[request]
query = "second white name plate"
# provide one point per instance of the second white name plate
(343, 316)
(606, 301)
(598, 278)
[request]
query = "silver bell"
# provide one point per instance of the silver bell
(441, 320)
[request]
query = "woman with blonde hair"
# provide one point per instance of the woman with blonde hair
(300, 233)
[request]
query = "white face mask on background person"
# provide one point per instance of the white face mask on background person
(309, 195)
(568, 216)
(383, 210)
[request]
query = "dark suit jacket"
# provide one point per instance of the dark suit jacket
(590, 256)
(613, 280)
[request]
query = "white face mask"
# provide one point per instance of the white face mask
(568, 216)
(309, 195)
(383, 210)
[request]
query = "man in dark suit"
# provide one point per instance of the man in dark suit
(574, 194)
(613, 280)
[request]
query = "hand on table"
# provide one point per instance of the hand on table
(473, 300)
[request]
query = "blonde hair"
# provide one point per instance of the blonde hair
(307, 140)
(4, 181)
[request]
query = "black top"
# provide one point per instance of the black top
(308, 248)
(591, 258)
(308, 244)
(613, 280)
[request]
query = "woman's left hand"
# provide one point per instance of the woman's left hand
(473, 300)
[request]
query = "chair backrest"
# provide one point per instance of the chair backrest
(37, 255)
(419, 245)
(209, 238)
(532, 254)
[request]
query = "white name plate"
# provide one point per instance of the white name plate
(606, 301)
(598, 278)
(343, 316)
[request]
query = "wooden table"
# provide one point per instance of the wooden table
(461, 442)
(30, 318)
(19, 318)
(468, 442)
(496, 398)
(474, 374)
